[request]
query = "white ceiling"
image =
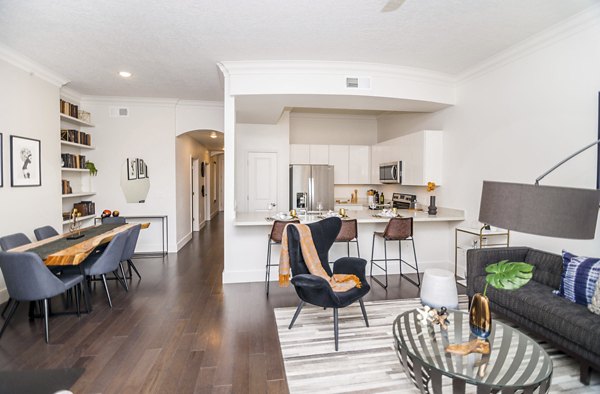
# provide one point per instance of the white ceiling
(203, 137)
(172, 47)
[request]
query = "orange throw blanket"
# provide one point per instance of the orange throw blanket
(338, 282)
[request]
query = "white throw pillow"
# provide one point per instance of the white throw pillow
(594, 306)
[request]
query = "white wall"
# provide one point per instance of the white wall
(262, 138)
(515, 121)
(518, 120)
(187, 148)
(395, 125)
(198, 115)
(147, 133)
(332, 129)
(29, 109)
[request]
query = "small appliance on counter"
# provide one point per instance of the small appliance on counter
(403, 201)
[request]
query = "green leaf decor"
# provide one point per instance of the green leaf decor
(507, 275)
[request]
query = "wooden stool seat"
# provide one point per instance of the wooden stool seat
(275, 237)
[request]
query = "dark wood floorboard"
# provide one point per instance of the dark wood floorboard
(178, 330)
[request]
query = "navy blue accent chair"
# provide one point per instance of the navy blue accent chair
(316, 290)
(44, 232)
(129, 250)
(108, 261)
(28, 279)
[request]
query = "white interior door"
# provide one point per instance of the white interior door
(262, 180)
(196, 219)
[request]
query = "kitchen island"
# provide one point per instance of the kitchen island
(433, 236)
(363, 216)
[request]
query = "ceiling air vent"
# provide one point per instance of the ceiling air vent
(118, 112)
(358, 82)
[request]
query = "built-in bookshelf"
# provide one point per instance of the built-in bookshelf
(76, 141)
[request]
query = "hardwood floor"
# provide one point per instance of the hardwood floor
(178, 330)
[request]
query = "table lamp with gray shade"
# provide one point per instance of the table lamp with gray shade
(553, 211)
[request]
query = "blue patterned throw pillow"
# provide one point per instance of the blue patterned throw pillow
(579, 278)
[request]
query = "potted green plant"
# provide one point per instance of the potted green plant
(503, 275)
(91, 167)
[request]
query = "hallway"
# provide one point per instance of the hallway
(178, 330)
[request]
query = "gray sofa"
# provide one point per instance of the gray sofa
(568, 326)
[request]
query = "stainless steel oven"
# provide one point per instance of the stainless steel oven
(390, 172)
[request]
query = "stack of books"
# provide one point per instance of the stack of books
(85, 207)
(76, 136)
(69, 109)
(66, 187)
(72, 161)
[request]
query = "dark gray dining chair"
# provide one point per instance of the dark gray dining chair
(13, 241)
(108, 261)
(28, 279)
(8, 242)
(44, 232)
(114, 220)
(129, 250)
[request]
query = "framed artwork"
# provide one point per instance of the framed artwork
(1, 162)
(141, 167)
(132, 172)
(25, 162)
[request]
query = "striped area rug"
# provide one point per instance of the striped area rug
(366, 361)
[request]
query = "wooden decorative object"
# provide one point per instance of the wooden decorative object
(480, 346)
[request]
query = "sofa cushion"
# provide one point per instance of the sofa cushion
(594, 306)
(548, 267)
(579, 278)
(537, 303)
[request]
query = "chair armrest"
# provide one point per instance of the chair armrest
(478, 259)
(350, 265)
(308, 281)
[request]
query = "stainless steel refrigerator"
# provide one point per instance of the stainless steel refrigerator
(311, 187)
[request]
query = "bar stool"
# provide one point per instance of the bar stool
(274, 239)
(397, 229)
(349, 233)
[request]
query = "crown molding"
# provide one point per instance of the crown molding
(70, 95)
(18, 60)
(585, 19)
(169, 102)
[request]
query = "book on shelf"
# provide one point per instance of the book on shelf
(85, 207)
(76, 136)
(72, 161)
(69, 109)
(66, 187)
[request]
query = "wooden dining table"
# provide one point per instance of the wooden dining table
(60, 251)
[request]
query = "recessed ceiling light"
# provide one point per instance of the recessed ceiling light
(213, 135)
(125, 74)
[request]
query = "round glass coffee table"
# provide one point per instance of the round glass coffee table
(516, 362)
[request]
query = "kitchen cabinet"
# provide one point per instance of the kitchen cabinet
(338, 158)
(319, 154)
(359, 165)
(299, 154)
(420, 153)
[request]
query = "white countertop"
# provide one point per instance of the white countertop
(365, 216)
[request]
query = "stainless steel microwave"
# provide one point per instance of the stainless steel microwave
(390, 172)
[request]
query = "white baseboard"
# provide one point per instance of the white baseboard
(181, 243)
(393, 268)
(212, 215)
